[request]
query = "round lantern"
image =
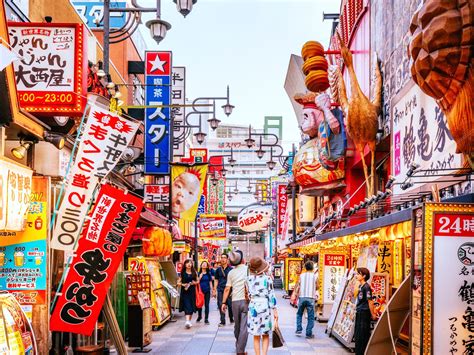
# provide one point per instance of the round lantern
(157, 242)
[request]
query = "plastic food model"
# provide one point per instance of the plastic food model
(361, 114)
(442, 49)
(157, 242)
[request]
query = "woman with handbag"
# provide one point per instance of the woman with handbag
(205, 282)
(261, 297)
(188, 282)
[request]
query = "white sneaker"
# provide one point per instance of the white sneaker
(188, 324)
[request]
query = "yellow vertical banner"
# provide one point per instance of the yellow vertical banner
(385, 259)
(398, 268)
(187, 187)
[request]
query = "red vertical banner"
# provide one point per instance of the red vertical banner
(99, 253)
(282, 202)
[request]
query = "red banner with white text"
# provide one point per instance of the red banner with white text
(100, 251)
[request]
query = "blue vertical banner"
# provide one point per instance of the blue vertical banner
(157, 119)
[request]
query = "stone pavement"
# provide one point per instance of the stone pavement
(201, 339)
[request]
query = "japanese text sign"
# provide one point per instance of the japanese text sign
(448, 279)
(420, 135)
(157, 118)
(23, 256)
(216, 193)
(212, 226)
(15, 189)
(178, 113)
(96, 260)
(186, 190)
(385, 259)
(157, 193)
(282, 201)
(254, 217)
(333, 272)
(92, 13)
(104, 138)
(51, 76)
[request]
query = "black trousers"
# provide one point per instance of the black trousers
(362, 331)
(220, 295)
(207, 298)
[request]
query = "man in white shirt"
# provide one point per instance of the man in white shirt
(236, 281)
(306, 289)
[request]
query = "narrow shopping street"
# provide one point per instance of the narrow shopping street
(174, 339)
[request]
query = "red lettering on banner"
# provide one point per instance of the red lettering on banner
(454, 224)
(74, 197)
(98, 256)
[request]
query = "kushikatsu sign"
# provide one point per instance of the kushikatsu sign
(158, 113)
(96, 260)
(51, 75)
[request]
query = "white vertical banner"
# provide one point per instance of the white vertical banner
(178, 97)
(104, 138)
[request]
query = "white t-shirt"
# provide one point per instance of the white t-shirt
(236, 280)
(308, 285)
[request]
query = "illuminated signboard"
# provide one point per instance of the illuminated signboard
(51, 76)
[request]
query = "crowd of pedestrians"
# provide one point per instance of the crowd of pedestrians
(244, 291)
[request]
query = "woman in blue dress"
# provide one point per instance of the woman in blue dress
(205, 282)
(262, 299)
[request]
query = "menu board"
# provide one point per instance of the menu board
(345, 319)
(159, 298)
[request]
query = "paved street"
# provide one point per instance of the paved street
(173, 338)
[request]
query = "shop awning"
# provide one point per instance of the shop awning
(387, 220)
(152, 218)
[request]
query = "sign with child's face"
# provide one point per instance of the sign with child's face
(188, 183)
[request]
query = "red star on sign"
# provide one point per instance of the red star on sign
(158, 63)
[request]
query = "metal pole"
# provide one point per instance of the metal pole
(293, 203)
(196, 259)
(106, 42)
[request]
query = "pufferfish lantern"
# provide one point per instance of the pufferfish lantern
(319, 164)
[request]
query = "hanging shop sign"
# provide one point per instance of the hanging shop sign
(306, 205)
(51, 78)
(282, 203)
(157, 193)
(96, 260)
(420, 135)
(333, 271)
(210, 252)
(104, 138)
(379, 284)
(212, 226)
(15, 190)
(178, 112)
(216, 193)
(157, 119)
(92, 13)
(447, 279)
(179, 246)
(187, 187)
(254, 217)
(23, 254)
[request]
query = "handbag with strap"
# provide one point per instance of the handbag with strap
(277, 337)
(199, 297)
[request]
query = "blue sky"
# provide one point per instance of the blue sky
(245, 44)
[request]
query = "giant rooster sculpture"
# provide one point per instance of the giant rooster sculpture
(361, 114)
